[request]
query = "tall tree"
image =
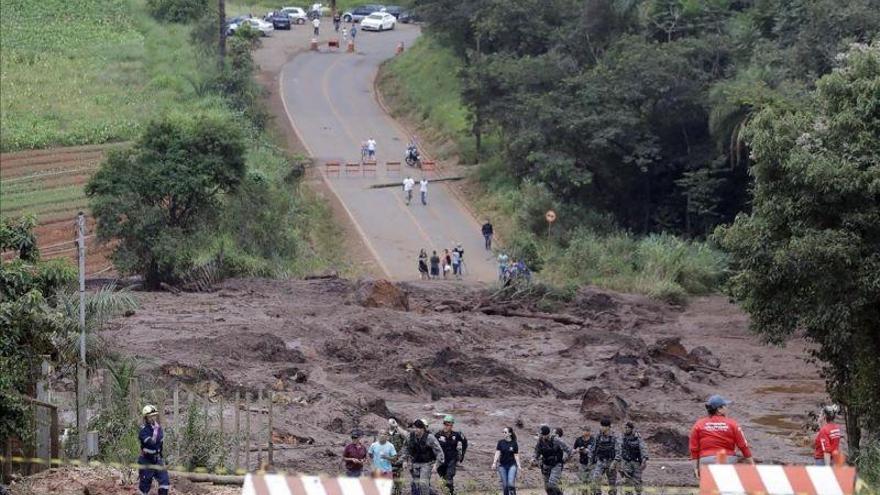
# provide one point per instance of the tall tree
(808, 256)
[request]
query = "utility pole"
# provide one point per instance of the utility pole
(81, 376)
(221, 48)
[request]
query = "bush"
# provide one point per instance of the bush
(523, 248)
(202, 448)
(177, 10)
(869, 465)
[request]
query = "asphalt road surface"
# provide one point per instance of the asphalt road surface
(330, 100)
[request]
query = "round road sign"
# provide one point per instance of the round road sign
(550, 216)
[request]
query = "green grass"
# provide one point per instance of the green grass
(87, 71)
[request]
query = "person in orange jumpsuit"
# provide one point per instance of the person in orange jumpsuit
(827, 442)
(717, 434)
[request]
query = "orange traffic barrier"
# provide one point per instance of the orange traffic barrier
(352, 168)
(370, 168)
(392, 168)
(350, 48)
(332, 168)
(428, 166)
(313, 44)
(777, 480)
(333, 43)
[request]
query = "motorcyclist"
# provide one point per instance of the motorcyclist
(413, 157)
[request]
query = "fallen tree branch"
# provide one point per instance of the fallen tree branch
(557, 317)
(217, 479)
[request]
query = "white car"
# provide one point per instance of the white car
(378, 21)
(296, 14)
(265, 28)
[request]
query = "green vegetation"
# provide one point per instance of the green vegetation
(807, 258)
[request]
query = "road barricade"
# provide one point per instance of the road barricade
(279, 484)
(429, 166)
(392, 168)
(333, 44)
(370, 168)
(741, 479)
(332, 169)
(352, 168)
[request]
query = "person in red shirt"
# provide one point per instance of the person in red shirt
(716, 434)
(827, 443)
(355, 456)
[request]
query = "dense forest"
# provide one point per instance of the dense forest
(636, 108)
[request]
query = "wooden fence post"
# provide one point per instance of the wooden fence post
(247, 429)
(134, 394)
(237, 439)
(269, 447)
(176, 412)
(259, 441)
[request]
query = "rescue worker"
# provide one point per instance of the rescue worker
(605, 456)
(450, 441)
(716, 434)
(634, 454)
(423, 450)
(827, 442)
(151, 438)
(552, 453)
(583, 445)
(397, 437)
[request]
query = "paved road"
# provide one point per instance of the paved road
(330, 100)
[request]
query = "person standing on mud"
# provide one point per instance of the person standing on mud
(450, 441)
(634, 454)
(551, 453)
(423, 265)
(423, 450)
(506, 461)
(715, 435)
(583, 445)
(827, 443)
(435, 265)
(605, 456)
(355, 456)
(397, 437)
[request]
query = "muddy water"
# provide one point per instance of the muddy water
(811, 387)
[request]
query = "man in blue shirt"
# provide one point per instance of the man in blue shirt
(382, 452)
(151, 437)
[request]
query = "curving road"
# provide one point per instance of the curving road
(330, 100)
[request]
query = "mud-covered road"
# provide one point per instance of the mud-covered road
(336, 365)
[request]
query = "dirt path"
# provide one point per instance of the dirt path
(490, 371)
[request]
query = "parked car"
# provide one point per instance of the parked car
(358, 13)
(408, 16)
(278, 20)
(378, 21)
(394, 10)
(260, 25)
(295, 14)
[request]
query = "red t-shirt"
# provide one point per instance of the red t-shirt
(713, 434)
(354, 451)
(827, 441)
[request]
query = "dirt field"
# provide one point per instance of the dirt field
(48, 183)
(336, 365)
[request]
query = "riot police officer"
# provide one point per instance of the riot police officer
(552, 453)
(635, 456)
(450, 441)
(605, 456)
(423, 450)
(583, 445)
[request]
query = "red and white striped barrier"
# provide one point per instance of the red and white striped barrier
(723, 479)
(279, 484)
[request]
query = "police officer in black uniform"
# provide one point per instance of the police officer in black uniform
(552, 453)
(605, 456)
(449, 442)
(635, 455)
(423, 450)
(583, 445)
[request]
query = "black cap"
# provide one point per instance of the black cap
(605, 422)
(418, 424)
(629, 424)
(545, 430)
(356, 434)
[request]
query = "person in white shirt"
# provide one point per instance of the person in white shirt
(371, 148)
(408, 184)
(423, 188)
(317, 24)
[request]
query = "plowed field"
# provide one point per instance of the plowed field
(49, 184)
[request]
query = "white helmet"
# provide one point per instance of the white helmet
(150, 410)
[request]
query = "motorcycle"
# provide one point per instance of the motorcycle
(413, 157)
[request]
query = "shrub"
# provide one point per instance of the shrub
(202, 448)
(525, 249)
(177, 10)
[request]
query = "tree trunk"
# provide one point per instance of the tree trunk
(221, 46)
(853, 431)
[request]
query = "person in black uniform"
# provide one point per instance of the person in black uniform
(605, 456)
(423, 450)
(151, 437)
(552, 453)
(449, 442)
(583, 445)
(635, 456)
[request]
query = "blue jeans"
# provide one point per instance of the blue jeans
(820, 462)
(507, 475)
(711, 459)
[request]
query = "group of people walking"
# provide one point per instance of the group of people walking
(448, 264)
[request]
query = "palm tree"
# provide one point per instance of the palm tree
(101, 306)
